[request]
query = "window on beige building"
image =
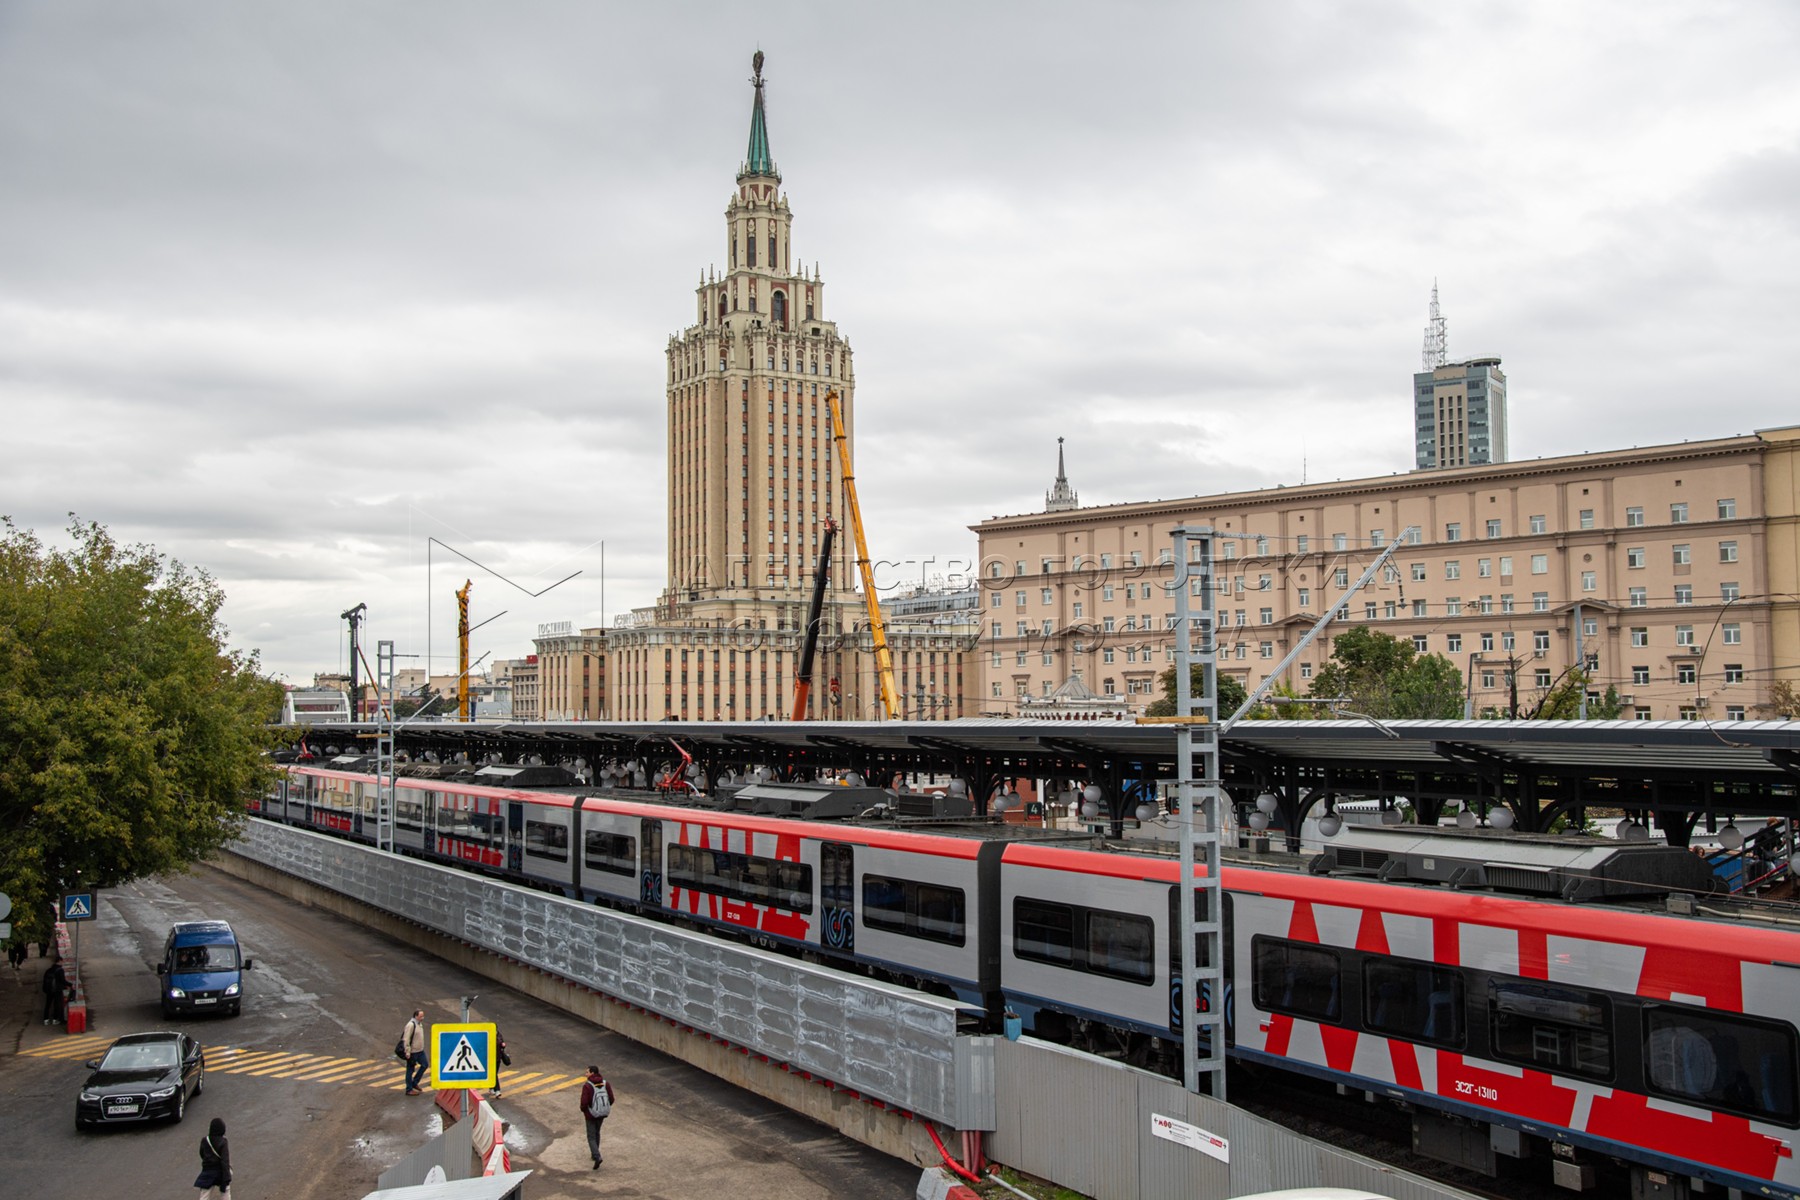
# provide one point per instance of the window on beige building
(1683, 555)
(1452, 569)
(1538, 524)
(1589, 581)
(1634, 558)
(1684, 635)
(1728, 552)
(1734, 672)
(1638, 597)
(1728, 592)
(1731, 633)
(1340, 541)
(1678, 513)
(1686, 673)
(1487, 641)
(1540, 564)
(1684, 593)
(1540, 602)
(1418, 572)
(1453, 606)
(1484, 567)
(1419, 609)
(1727, 509)
(1587, 518)
(1453, 643)
(1300, 544)
(1640, 635)
(1453, 532)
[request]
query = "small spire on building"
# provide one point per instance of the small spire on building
(1437, 347)
(1061, 497)
(758, 160)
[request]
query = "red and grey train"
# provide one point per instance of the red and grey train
(1595, 1036)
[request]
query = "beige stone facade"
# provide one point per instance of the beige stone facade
(524, 676)
(571, 674)
(1683, 562)
(753, 478)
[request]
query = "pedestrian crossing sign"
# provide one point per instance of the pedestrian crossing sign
(463, 1056)
(78, 906)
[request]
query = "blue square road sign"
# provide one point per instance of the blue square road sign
(463, 1056)
(77, 906)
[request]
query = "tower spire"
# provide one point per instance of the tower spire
(1061, 497)
(1437, 347)
(758, 161)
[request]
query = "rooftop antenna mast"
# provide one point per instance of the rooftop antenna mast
(1437, 347)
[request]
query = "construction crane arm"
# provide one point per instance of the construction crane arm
(884, 661)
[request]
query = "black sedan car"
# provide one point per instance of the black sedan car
(141, 1076)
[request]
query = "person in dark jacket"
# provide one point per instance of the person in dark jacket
(55, 985)
(597, 1098)
(214, 1180)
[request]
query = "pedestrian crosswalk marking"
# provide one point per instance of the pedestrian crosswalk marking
(310, 1068)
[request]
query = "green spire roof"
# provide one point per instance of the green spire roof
(758, 160)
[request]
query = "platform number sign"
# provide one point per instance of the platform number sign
(463, 1056)
(78, 906)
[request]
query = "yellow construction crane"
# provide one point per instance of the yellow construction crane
(884, 661)
(462, 651)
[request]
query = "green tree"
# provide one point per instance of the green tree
(1383, 676)
(1231, 693)
(129, 735)
(1563, 701)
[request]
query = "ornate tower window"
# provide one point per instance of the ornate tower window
(778, 309)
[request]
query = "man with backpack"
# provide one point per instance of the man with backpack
(596, 1105)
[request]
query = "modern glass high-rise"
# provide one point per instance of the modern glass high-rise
(1459, 414)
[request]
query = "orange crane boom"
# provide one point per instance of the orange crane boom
(462, 651)
(884, 660)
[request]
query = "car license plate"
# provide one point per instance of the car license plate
(122, 1107)
(206, 1000)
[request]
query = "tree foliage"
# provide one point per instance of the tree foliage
(129, 734)
(1231, 692)
(1563, 701)
(1382, 676)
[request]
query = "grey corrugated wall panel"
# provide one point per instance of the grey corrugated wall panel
(1064, 1116)
(895, 1045)
(1084, 1123)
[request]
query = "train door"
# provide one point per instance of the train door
(837, 896)
(515, 836)
(1226, 941)
(650, 865)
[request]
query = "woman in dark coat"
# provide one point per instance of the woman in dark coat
(214, 1180)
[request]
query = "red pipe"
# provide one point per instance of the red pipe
(948, 1161)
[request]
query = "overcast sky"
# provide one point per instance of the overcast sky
(286, 289)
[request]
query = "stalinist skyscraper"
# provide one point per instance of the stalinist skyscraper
(753, 479)
(750, 456)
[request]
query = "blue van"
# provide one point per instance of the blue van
(202, 969)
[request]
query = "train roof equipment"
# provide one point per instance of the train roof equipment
(1570, 868)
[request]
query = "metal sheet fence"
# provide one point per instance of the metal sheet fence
(896, 1045)
(1086, 1123)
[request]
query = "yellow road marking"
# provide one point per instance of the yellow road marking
(548, 1084)
(286, 1062)
(82, 1047)
(365, 1073)
(288, 1070)
(328, 1066)
(249, 1062)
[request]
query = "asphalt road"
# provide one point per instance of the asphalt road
(313, 1098)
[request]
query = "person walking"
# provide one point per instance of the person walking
(412, 1040)
(16, 952)
(214, 1180)
(596, 1105)
(55, 985)
(501, 1059)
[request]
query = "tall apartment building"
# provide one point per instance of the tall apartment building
(1459, 409)
(752, 480)
(1682, 561)
(1459, 414)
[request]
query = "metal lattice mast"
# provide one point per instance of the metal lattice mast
(1437, 343)
(384, 746)
(1201, 952)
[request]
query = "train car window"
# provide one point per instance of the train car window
(409, 814)
(1417, 1001)
(1043, 932)
(913, 909)
(1720, 1061)
(776, 883)
(614, 852)
(1120, 945)
(1553, 1028)
(1297, 978)
(546, 840)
